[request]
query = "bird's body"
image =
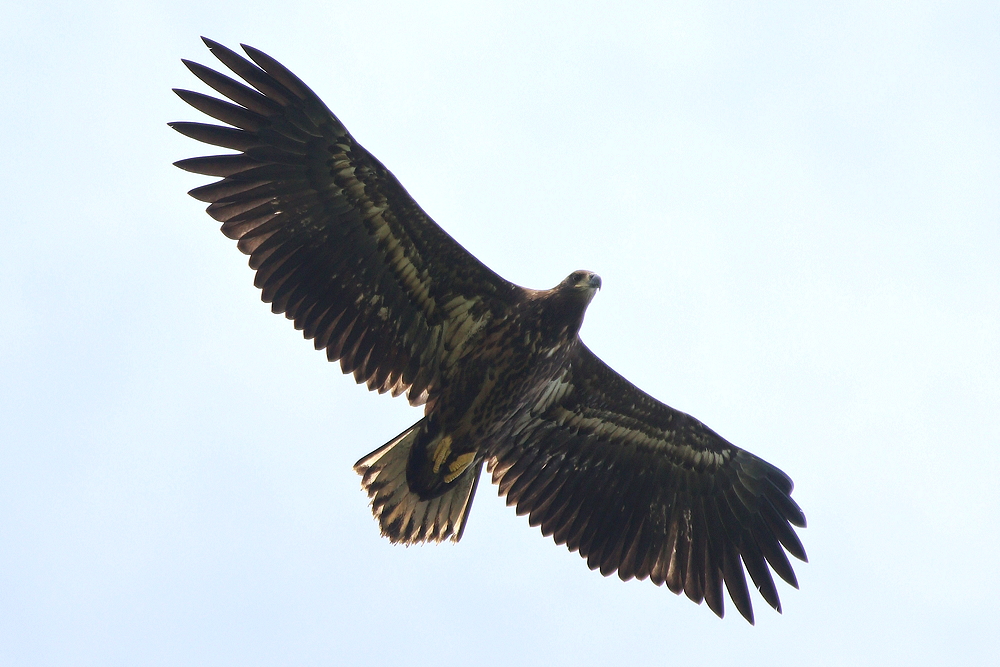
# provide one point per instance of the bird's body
(340, 248)
(501, 371)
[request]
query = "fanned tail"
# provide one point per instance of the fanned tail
(402, 515)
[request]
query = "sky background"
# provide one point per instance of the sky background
(795, 210)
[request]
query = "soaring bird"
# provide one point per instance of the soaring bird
(341, 249)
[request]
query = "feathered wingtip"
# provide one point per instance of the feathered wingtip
(402, 515)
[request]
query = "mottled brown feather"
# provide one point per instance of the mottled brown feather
(623, 459)
(326, 224)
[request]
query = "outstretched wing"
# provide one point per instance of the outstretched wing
(638, 487)
(338, 244)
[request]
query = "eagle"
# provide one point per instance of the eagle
(339, 246)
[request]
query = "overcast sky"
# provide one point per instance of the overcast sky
(796, 215)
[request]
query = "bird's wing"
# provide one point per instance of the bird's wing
(638, 487)
(337, 243)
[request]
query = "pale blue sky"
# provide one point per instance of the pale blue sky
(796, 214)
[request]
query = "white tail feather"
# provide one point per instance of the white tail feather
(402, 515)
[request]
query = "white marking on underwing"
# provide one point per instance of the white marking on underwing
(611, 431)
(552, 393)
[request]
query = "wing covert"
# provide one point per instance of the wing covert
(338, 245)
(645, 490)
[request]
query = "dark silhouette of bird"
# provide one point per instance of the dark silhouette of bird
(341, 249)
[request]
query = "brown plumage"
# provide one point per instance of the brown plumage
(341, 249)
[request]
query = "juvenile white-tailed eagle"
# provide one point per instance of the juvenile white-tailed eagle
(341, 249)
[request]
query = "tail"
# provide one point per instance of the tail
(402, 515)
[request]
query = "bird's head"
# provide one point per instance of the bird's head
(563, 306)
(584, 283)
(581, 284)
